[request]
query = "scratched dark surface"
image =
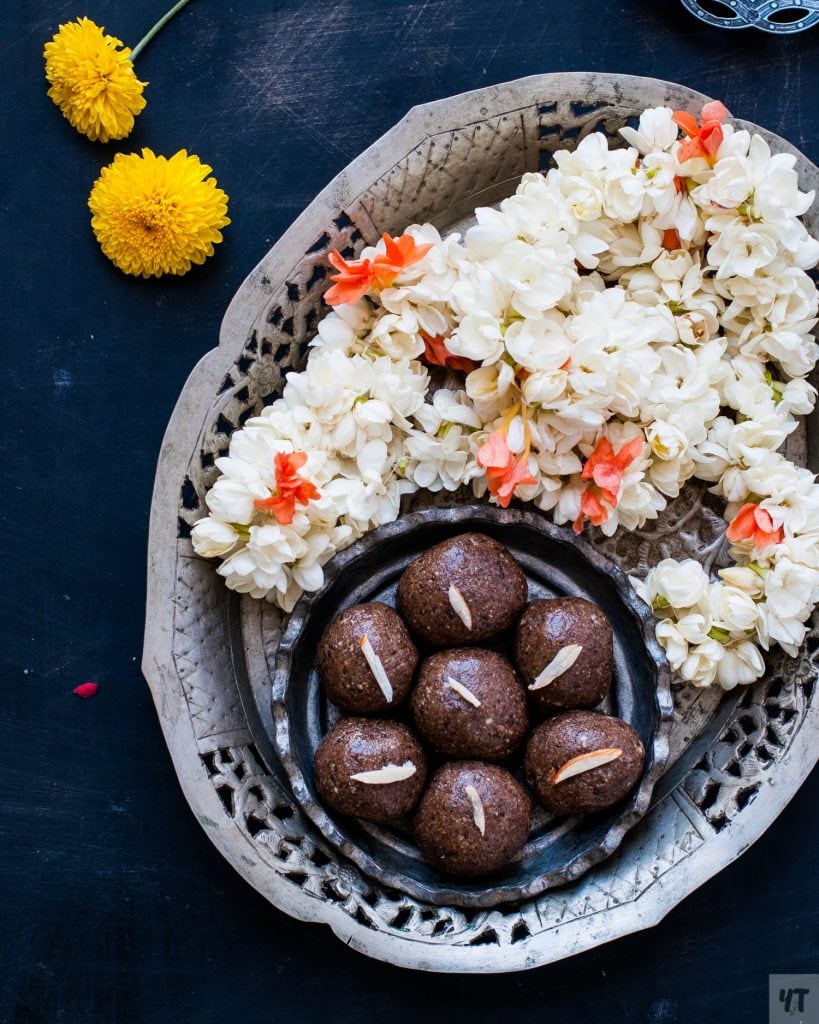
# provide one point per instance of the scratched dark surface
(115, 906)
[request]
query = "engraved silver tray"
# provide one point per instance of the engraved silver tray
(735, 759)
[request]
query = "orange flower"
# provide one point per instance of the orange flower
(290, 488)
(503, 472)
(355, 277)
(605, 470)
(704, 139)
(437, 354)
(401, 253)
(592, 508)
(755, 524)
(671, 239)
(353, 280)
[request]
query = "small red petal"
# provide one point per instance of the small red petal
(86, 689)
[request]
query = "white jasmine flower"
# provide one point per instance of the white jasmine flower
(702, 663)
(744, 579)
(487, 386)
(479, 336)
(538, 344)
(212, 538)
(673, 642)
(655, 131)
(539, 276)
(633, 245)
(667, 442)
(455, 407)
(344, 327)
(438, 462)
(232, 501)
(741, 663)
(740, 250)
(623, 189)
(731, 609)
(797, 396)
(678, 585)
(792, 589)
(795, 352)
(677, 636)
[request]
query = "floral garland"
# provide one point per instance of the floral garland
(632, 319)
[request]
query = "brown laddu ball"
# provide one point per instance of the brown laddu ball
(473, 819)
(371, 769)
(571, 737)
(468, 703)
(465, 590)
(345, 673)
(550, 625)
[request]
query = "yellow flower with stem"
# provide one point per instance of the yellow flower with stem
(92, 77)
(155, 216)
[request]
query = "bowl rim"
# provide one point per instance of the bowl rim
(471, 516)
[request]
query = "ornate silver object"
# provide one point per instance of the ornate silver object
(734, 760)
(556, 562)
(782, 17)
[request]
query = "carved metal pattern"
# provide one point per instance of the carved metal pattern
(209, 666)
(781, 17)
(731, 773)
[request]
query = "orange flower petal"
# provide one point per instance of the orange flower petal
(353, 280)
(400, 253)
(289, 462)
(437, 354)
(686, 121)
(711, 138)
(602, 453)
(629, 452)
(689, 149)
(743, 524)
(494, 452)
(714, 111)
(593, 508)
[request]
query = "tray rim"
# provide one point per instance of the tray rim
(185, 426)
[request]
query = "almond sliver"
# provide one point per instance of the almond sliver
(459, 605)
(376, 667)
(389, 773)
(478, 815)
(560, 663)
(585, 763)
(462, 691)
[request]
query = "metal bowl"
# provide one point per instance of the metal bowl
(556, 563)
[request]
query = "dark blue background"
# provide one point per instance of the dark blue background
(115, 905)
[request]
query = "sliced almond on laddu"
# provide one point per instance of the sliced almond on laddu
(459, 606)
(584, 763)
(560, 663)
(462, 691)
(389, 773)
(376, 667)
(478, 814)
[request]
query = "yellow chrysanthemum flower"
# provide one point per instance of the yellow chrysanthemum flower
(155, 216)
(93, 81)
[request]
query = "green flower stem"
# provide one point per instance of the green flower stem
(163, 21)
